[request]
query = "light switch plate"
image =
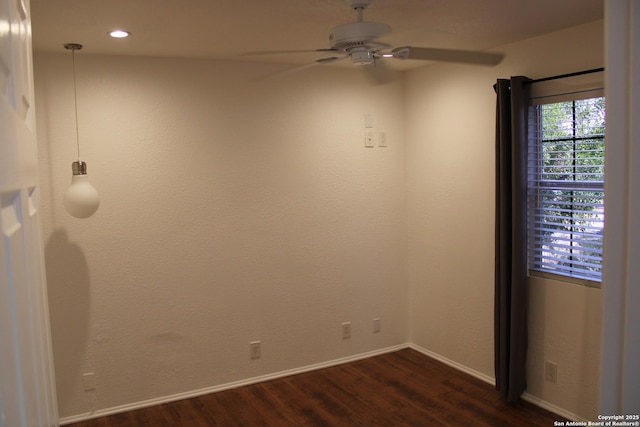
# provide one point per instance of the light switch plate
(368, 120)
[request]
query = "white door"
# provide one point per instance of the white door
(27, 391)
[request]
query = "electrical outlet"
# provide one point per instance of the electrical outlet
(551, 371)
(346, 330)
(377, 325)
(255, 351)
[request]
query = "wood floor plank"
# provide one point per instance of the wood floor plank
(269, 408)
(402, 388)
(282, 397)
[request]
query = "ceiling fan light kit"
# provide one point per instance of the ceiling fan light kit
(362, 56)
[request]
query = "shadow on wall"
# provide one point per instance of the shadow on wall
(69, 307)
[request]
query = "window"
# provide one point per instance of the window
(566, 189)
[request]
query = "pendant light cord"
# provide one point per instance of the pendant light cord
(75, 100)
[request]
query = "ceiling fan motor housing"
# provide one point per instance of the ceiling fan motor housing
(355, 34)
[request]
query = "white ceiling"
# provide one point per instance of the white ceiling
(226, 29)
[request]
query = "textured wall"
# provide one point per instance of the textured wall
(450, 173)
(233, 209)
(236, 209)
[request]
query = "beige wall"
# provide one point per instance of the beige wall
(233, 209)
(236, 209)
(450, 151)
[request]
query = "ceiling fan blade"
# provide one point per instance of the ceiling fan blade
(447, 55)
(330, 59)
(301, 67)
(288, 71)
(280, 52)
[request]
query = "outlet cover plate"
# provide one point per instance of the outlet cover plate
(255, 352)
(346, 330)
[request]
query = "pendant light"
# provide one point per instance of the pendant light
(81, 200)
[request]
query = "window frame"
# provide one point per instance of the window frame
(534, 163)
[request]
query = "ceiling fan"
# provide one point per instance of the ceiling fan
(358, 41)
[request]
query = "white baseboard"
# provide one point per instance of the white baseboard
(458, 366)
(491, 380)
(551, 407)
(195, 393)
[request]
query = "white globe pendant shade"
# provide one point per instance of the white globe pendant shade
(81, 199)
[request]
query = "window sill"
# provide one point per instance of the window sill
(562, 278)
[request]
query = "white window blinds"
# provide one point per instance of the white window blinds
(566, 187)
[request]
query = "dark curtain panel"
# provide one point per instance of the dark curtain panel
(511, 296)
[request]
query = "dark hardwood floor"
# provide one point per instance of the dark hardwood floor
(403, 388)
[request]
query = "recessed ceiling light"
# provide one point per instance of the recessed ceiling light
(119, 34)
